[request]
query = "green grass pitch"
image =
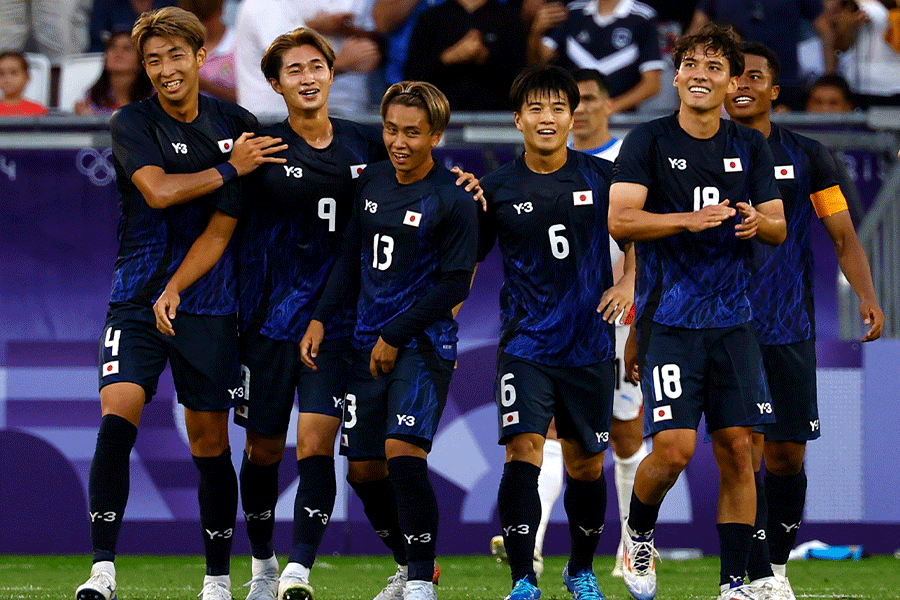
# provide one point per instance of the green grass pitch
(462, 577)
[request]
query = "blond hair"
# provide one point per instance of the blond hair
(168, 22)
(272, 60)
(419, 94)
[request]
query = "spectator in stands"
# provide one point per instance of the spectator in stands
(777, 25)
(122, 81)
(466, 45)
(619, 38)
(830, 93)
(395, 20)
(109, 16)
(13, 80)
(217, 73)
(347, 26)
(59, 27)
(869, 62)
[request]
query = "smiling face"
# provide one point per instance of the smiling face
(409, 141)
(304, 78)
(173, 68)
(703, 79)
(545, 119)
(755, 90)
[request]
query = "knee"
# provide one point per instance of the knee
(366, 471)
(264, 452)
(209, 442)
(588, 469)
(784, 459)
(314, 443)
(526, 447)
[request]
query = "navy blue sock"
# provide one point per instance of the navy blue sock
(760, 566)
(417, 510)
(585, 503)
(108, 483)
(786, 496)
(259, 495)
(642, 517)
(381, 509)
(519, 506)
(735, 540)
(312, 507)
(218, 496)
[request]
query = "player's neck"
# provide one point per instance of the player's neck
(594, 140)
(762, 123)
(185, 111)
(10, 100)
(315, 128)
(546, 163)
(700, 124)
(417, 174)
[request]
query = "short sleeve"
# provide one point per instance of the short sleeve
(824, 171)
(650, 55)
(459, 232)
(633, 163)
(133, 143)
(762, 181)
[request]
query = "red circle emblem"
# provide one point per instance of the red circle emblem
(733, 164)
(784, 171)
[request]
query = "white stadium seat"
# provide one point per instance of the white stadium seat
(77, 73)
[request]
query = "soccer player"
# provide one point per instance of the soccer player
(626, 432)
(692, 190)
(408, 256)
(549, 209)
(176, 156)
(781, 295)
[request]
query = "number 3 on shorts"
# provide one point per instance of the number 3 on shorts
(667, 380)
(350, 410)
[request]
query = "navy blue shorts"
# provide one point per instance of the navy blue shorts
(529, 395)
(688, 373)
(405, 404)
(272, 372)
(203, 355)
(791, 374)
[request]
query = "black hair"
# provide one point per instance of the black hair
(592, 75)
(543, 80)
(757, 49)
(836, 81)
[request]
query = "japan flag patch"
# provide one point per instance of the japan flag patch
(511, 418)
(784, 171)
(732, 165)
(243, 411)
(582, 198)
(225, 146)
(356, 170)
(110, 368)
(412, 218)
(345, 441)
(662, 413)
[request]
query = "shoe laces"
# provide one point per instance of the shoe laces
(264, 580)
(398, 579)
(102, 580)
(214, 590)
(641, 556)
(585, 584)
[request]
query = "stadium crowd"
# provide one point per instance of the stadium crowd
(461, 45)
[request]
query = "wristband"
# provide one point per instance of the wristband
(227, 171)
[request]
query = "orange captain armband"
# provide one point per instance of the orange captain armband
(828, 201)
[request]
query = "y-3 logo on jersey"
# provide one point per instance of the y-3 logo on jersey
(295, 172)
(370, 206)
(408, 420)
(523, 207)
(179, 148)
(814, 425)
(678, 163)
(765, 408)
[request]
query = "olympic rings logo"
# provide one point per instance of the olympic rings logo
(96, 165)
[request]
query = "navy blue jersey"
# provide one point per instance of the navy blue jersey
(781, 289)
(621, 45)
(294, 220)
(696, 280)
(555, 244)
(406, 236)
(153, 242)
